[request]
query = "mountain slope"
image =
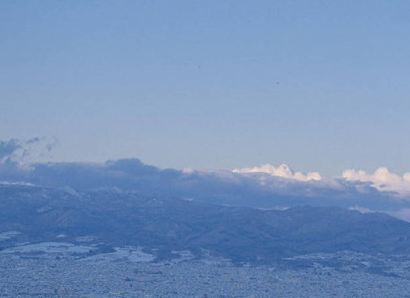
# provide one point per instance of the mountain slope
(243, 234)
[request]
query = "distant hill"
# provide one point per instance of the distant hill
(162, 225)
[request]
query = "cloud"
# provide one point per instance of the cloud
(254, 189)
(381, 179)
(261, 187)
(33, 141)
(282, 171)
(9, 148)
(50, 145)
(362, 209)
(23, 150)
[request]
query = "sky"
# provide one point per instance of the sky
(322, 86)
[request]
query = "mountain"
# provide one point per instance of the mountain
(257, 190)
(165, 224)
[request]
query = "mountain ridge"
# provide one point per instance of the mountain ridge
(164, 224)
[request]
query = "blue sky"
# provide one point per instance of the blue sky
(319, 85)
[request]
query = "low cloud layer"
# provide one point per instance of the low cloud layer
(382, 179)
(262, 187)
(8, 148)
(23, 150)
(282, 171)
(253, 189)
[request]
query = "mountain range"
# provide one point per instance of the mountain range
(161, 225)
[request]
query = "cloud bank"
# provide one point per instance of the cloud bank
(22, 150)
(382, 179)
(252, 189)
(282, 171)
(261, 187)
(8, 148)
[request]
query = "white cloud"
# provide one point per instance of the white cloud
(188, 171)
(382, 179)
(282, 171)
(16, 183)
(362, 209)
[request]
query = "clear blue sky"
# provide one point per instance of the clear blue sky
(320, 85)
